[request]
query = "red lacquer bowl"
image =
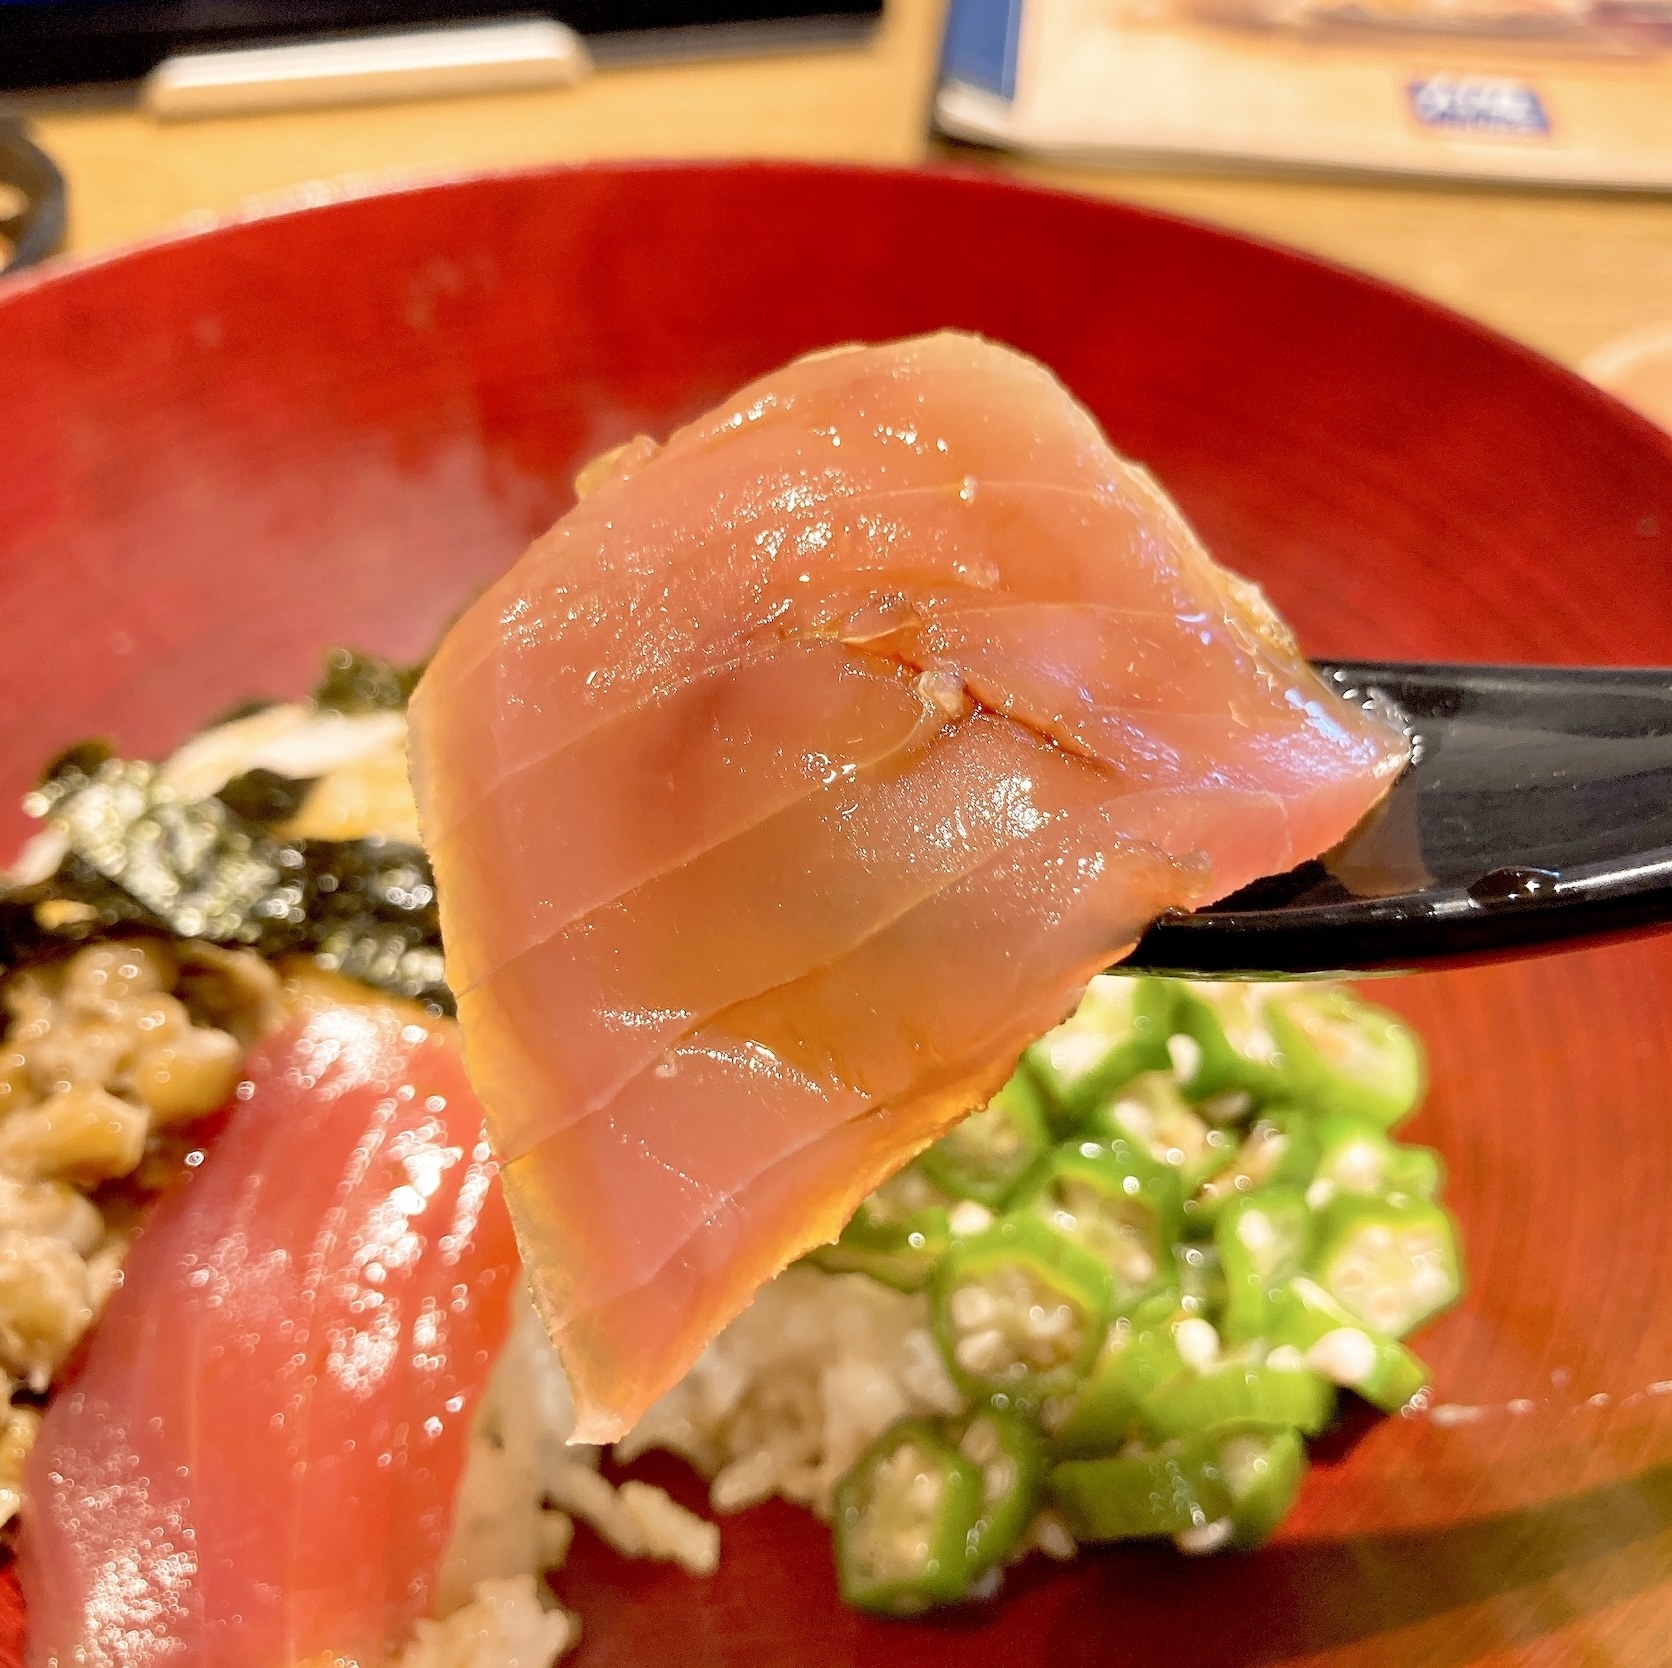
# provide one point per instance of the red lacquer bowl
(224, 452)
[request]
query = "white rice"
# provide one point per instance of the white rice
(782, 1402)
(504, 1626)
(786, 1398)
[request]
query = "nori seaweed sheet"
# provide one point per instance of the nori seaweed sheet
(354, 682)
(141, 858)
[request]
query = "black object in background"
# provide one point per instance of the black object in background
(36, 229)
(45, 42)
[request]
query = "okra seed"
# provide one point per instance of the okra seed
(972, 1307)
(1136, 1118)
(1228, 1108)
(1359, 1168)
(1051, 1535)
(1186, 1055)
(1203, 1537)
(983, 1352)
(1197, 1342)
(1345, 1356)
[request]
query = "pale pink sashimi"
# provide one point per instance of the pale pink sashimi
(701, 1041)
(828, 711)
(258, 1462)
(756, 1104)
(783, 896)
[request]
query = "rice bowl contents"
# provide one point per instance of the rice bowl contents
(1247, 1235)
(1112, 1302)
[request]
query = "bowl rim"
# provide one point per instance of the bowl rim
(342, 192)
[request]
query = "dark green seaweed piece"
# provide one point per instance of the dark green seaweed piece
(265, 796)
(368, 910)
(355, 683)
(75, 764)
(142, 858)
(201, 870)
(76, 905)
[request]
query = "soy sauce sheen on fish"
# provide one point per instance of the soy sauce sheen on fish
(797, 779)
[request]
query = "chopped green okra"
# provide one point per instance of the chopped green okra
(1223, 1046)
(1201, 1280)
(897, 1236)
(902, 1520)
(1387, 1376)
(1393, 1263)
(1119, 1030)
(1151, 1111)
(1262, 1471)
(1417, 1171)
(985, 1156)
(1020, 1311)
(1329, 1338)
(1007, 1450)
(1100, 1417)
(1152, 1262)
(1171, 1490)
(1279, 1150)
(1263, 1239)
(1140, 1352)
(1343, 1055)
(1118, 1203)
(1355, 1155)
(1232, 1392)
(902, 1257)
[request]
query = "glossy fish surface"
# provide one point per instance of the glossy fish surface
(797, 779)
(258, 1461)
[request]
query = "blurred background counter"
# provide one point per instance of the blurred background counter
(1563, 271)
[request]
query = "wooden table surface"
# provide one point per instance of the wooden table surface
(1563, 271)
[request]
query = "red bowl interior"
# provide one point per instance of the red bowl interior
(227, 451)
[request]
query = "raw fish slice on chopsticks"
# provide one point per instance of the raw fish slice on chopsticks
(800, 889)
(763, 1126)
(701, 1042)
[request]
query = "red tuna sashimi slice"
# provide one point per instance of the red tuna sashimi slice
(258, 1461)
(944, 512)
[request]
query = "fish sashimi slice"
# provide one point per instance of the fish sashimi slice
(755, 1104)
(797, 890)
(770, 487)
(258, 1461)
(762, 732)
(761, 1077)
(748, 1018)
